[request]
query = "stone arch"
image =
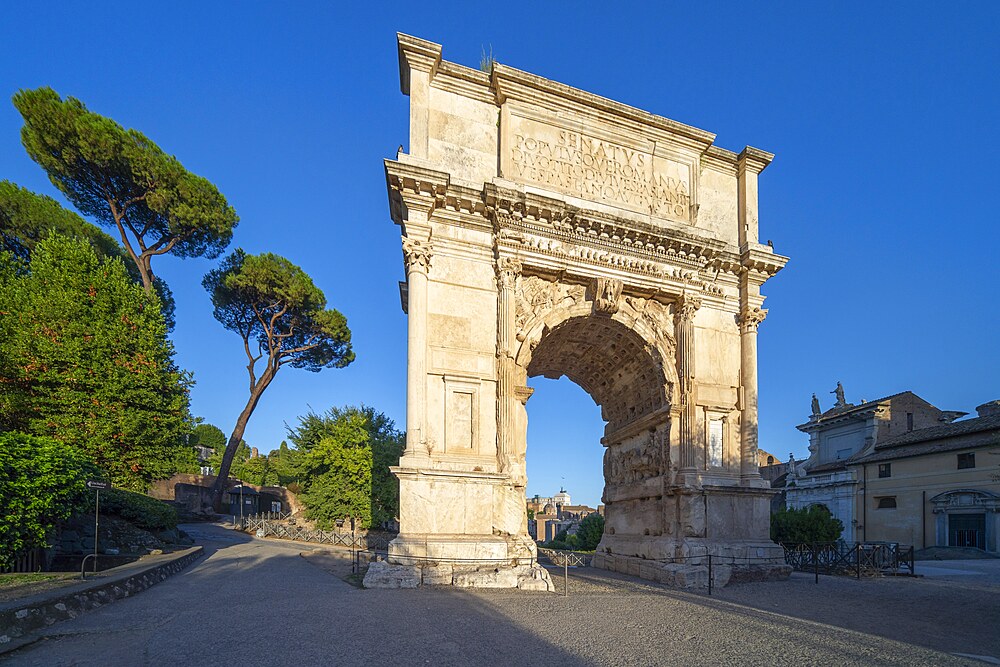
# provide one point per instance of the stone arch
(624, 362)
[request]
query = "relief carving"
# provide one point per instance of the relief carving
(635, 464)
(607, 291)
(537, 296)
(656, 316)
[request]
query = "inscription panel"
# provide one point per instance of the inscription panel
(599, 169)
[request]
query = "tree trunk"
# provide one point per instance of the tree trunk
(219, 488)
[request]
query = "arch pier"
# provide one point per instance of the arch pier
(548, 231)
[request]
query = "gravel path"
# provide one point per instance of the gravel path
(256, 602)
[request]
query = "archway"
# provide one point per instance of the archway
(625, 376)
(548, 231)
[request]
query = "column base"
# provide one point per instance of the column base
(683, 563)
(458, 560)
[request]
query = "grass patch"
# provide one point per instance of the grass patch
(20, 579)
(356, 579)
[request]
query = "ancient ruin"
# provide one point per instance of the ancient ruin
(549, 231)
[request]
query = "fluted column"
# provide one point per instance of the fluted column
(418, 258)
(508, 270)
(684, 311)
(749, 319)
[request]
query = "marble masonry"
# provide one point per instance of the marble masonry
(549, 231)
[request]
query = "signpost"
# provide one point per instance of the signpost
(97, 485)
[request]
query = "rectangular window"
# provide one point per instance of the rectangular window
(715, 443)
(885, 470)
(909, 421)
(886, 503)
(967, 460)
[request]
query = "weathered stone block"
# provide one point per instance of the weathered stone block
(385, 575)
(438, 575)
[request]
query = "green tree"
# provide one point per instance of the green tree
(282, 318)
(122, 179)
(41, 483)
(284, 463)
(241, 456)
(805, 526)
(344, 459)
(85, 360)
(209, 436)
(26, 218)
(590, 531)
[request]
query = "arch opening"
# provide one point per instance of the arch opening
(611, 362)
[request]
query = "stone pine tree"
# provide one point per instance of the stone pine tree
(27, 217)
(125, 181)
(282, 318)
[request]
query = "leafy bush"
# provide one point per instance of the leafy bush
(590, 531)
(804, 526)
(140, 510)
(41, 483)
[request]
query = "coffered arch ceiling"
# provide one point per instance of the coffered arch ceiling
(610, 361)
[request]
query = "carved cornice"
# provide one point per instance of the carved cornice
(550, 226)
(761, 264)
(417, 254)
(753, 160)
(419, 187)
(750, 319)
(418, 54)
(513, 84)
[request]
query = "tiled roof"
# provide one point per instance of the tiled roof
(951, 430)
(932, 440)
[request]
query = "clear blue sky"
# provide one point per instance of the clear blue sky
(883, 116)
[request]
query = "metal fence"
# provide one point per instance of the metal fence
(265, 525)
(858, 559)
(30, 561)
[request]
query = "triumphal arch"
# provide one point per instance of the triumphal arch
(549, 231)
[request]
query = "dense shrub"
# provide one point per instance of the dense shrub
(85, 360)
(41, 483)
(140, 510)
(804, 526)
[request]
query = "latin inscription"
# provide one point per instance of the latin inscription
(602, 171)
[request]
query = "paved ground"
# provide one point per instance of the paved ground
(256, 602)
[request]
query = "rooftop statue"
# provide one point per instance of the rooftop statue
(839, 391)
(815, 406)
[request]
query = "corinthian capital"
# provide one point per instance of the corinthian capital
(686, 306)
(751, 318)
(417, 254)
(508, 269)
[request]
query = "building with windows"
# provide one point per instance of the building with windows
(936, 486)
(844, 433)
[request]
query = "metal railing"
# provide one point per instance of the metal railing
(265, 526)
(857, 559)
(32, 560)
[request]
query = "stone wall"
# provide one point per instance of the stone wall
(193, 492)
